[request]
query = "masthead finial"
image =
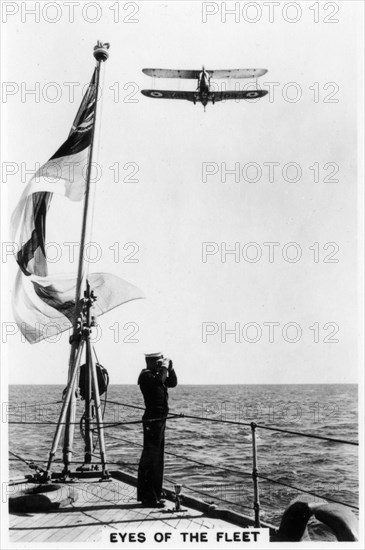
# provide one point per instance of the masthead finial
(101, 51)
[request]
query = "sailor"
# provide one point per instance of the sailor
(154, 380)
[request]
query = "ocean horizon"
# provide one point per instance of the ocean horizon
(227, 384)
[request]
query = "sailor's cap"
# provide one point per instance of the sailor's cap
(153, 355)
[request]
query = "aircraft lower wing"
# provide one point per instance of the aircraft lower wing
(240, 94)
(171, 94)
(238, 73)
(212, 96)
(171, 73)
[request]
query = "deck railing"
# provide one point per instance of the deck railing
(255, 474)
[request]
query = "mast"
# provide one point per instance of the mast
(82, 307)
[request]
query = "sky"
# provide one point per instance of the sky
(179, 187)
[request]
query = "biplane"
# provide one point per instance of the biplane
(204, 94)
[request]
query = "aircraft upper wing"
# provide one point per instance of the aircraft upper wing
(171, 73)
(171, 94)
(238, 73)
(224, 73)
(240, 94)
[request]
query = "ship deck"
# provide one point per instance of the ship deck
(104, 508)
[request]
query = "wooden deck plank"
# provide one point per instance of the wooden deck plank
(47, 523)
(22, 520)
(98, 520)
(104, 506)
(77, 520)
(80, 520)
(119, 517)
(80, 535)
(49, 534)
(29, 531)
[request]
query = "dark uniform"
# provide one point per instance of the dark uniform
(153, 383)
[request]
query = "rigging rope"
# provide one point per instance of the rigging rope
(110, 425)
(305, 491)
(25, 404)
(325, 438)
(237, 423)
(30, 464)
(145, 421)
(242, 474)
(188, 459)
(173, 416)
(126, 405)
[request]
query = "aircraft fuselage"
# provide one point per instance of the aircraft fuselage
(204, 87)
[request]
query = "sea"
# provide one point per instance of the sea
(211, 455)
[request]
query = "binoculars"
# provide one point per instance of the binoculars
(164, 362)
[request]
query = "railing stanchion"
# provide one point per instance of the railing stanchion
(256, 496)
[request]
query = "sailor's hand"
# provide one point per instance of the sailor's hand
(163, 363)
(171, 365)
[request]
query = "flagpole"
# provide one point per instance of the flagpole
(101, 54)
